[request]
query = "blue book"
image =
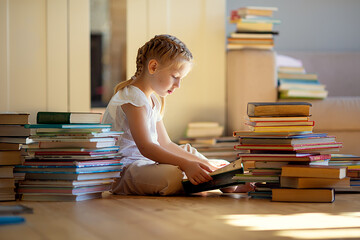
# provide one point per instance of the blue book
(11, 220)
(298, 81)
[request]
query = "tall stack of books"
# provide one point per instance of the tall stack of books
(207, 138)
(295, 83)
(281, 134)
(213, 147)
(73, 158)
(254, 28)
(352, 163)
(12, 136)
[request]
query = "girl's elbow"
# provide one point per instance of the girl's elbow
(145, 150)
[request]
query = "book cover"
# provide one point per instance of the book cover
(308, 182)
(313, 171)
(4, 220)
(9, 146)
(290, 141)
(304, 76)
(303, 195)
(14, 118)
(72, 176)
(73, 169)
(65, 183)
(60, 197)
(64, 190)
(67, 117)
(69, 126)
(256, 178)
(293, 157)
(10, 157)
(279, 123)
(265, 129)
(73, 144)
(222, 177)
(295, 147)
(219, 181)
(256, 109)
(14, 131)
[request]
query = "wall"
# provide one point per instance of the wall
(44, 56)
(201, 25)
(308, 25)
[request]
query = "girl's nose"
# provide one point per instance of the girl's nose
(177, 83)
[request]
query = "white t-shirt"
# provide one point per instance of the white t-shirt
(116, 116)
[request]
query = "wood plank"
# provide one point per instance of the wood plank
(210, 215)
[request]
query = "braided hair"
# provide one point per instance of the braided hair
(165, 49)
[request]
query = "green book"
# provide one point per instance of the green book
(67, 117)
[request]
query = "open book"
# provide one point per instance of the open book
(222, 177)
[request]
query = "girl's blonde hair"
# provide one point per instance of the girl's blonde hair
(166, 49)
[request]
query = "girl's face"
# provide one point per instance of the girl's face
(167, 79)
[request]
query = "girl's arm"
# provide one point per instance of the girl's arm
(137, 118)
(166, 143)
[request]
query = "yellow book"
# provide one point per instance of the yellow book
(308, 182)
(313, 171)
(250, 27)
(278, 109)
(303, 195)
(281, 129)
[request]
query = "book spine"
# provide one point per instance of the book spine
(53, 118)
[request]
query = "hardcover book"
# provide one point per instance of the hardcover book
(67, 117)
(222, 177)
(258, 109)
(303, 195)
(14, 118)
(313, 171)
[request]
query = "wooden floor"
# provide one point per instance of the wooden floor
(207, 216)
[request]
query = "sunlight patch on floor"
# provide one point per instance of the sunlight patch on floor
(302, 225)
(321, 233)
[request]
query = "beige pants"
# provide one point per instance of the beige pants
(144, 177)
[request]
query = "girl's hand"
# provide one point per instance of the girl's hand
(196, 172)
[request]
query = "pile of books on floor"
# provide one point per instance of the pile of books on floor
(295, 83)
(281, 136)
(352, 163)
(207, 138)
(254, 28)
(72, 158)
(12, 136)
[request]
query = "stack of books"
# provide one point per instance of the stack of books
(281, 134)
(304, 183)
(12, 136)
(204, 130)
(70, 160)
(207, 138)
(254, 28)
(214, 147)
(352, 163)
(297, 84)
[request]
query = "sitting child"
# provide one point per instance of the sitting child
(153, 164)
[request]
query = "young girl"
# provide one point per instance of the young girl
(153, 164)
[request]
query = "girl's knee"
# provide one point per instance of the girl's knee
(151, 179)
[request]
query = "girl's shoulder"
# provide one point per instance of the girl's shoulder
(130, 94)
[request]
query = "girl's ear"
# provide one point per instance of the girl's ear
(153, 66)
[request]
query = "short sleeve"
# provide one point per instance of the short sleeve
(132, 95)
